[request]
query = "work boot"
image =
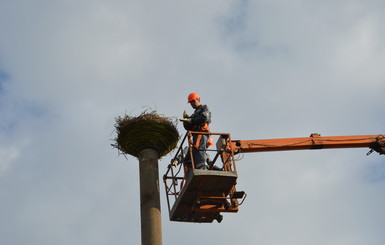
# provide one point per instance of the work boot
(201, 166)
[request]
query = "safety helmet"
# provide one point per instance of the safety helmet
(192, 97)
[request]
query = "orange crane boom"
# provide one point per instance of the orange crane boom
(315, 141)
(201, 195)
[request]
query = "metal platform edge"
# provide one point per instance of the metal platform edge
(191, 175)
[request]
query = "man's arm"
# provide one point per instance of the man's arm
(202, 115)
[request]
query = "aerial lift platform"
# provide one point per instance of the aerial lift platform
(200, 196)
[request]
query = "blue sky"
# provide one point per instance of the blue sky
(266, 69)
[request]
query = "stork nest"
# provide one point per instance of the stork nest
(149, 130)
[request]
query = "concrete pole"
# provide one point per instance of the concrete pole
(151, 223)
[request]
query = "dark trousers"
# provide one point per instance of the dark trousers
(199, 153)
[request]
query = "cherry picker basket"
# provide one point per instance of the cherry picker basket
(196, 195)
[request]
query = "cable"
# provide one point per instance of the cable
(295, 143)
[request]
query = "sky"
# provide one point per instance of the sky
(266, 69)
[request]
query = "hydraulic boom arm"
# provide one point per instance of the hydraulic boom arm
(202, 195)
(315, 141)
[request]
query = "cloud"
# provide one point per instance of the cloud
(267, 69)
(7, 157)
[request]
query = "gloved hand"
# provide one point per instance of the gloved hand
(185, 120)
(174, 163)
(185, 115)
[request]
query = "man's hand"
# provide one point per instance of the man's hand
(185, 120)
(185, 115)
(174, 163)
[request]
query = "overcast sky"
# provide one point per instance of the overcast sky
(266, 69)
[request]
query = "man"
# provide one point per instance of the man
(199, 121)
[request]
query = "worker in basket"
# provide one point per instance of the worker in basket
(199, 122)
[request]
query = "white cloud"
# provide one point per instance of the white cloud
(7, 156)
(267, 69)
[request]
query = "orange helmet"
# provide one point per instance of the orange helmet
(192, 96)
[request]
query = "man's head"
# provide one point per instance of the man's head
(194, 100)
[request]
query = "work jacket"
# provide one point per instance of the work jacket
(200, 119)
